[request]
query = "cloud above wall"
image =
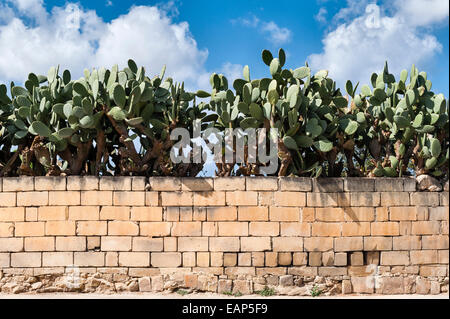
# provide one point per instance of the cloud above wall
(355, 48)
(33, 40)
(321, 16)
(273, 33)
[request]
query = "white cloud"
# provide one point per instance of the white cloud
(356, 49)
(6, 13)
(422, 12)
(76, 39)
(253, 21)
(321, 15)
(353, 9)
(232, 72)
(275, 34)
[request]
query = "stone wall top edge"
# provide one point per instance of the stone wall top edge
(169, 183)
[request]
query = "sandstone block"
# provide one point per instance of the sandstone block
(318, 244)
(115, 183)
(165, 260)
(356, 229)
(390, 285)
(176, 199)
(261, 183)
(147, 244)
(231, 229)
(155, 229)
(439, 213)
(213, 198)
(192, 244)
(18, 184)
(70, 243)
(322, 199)
(134, 259)
(406, 242)
(197, 184)
(128, 198)
(315, 259)
(425, 228)
(26, 259)
(186, 229)
(385, 229)
(297, 184)
(202, 259)
(32, 198)
(348, 244)
(253, 213)
(394, 199)
(326, 229)
(39, 244)
(295, 229)
(294, 199)
(29, 229)
(83, 183)
(365, 199)
(363, 285)
(89, 259)
(152, 199)
(394, 258)
(115, 213)
(6, 229)
(221, 214)
(264, 229)
(424, 199)
(385, 184)
(423, 257)
(84, 213)
(46, 213)
(255, 244)
(63, 198)
(7, 199)
(435, 242)
(287, 244)
(92, 228)
(240, 198)
(340, 259)
(357, 259)
(123, 228)
(95, 198)
(377, 243)
(115, 243)
(60, 228)
(165, 183)
(355, 184)
(284, 214)
(229, 184)
(57, 259)
(328, 185)
(224, 244)
(330, 214)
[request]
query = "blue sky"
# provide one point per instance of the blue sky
(195, 38)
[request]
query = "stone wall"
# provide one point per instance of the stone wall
(226, 235)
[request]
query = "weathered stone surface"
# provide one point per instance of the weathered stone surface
(240, 237)
(390, 285)
(287, 280)
(428, 183)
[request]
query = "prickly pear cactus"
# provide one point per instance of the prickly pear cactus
(118, 122)
(55, 125)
